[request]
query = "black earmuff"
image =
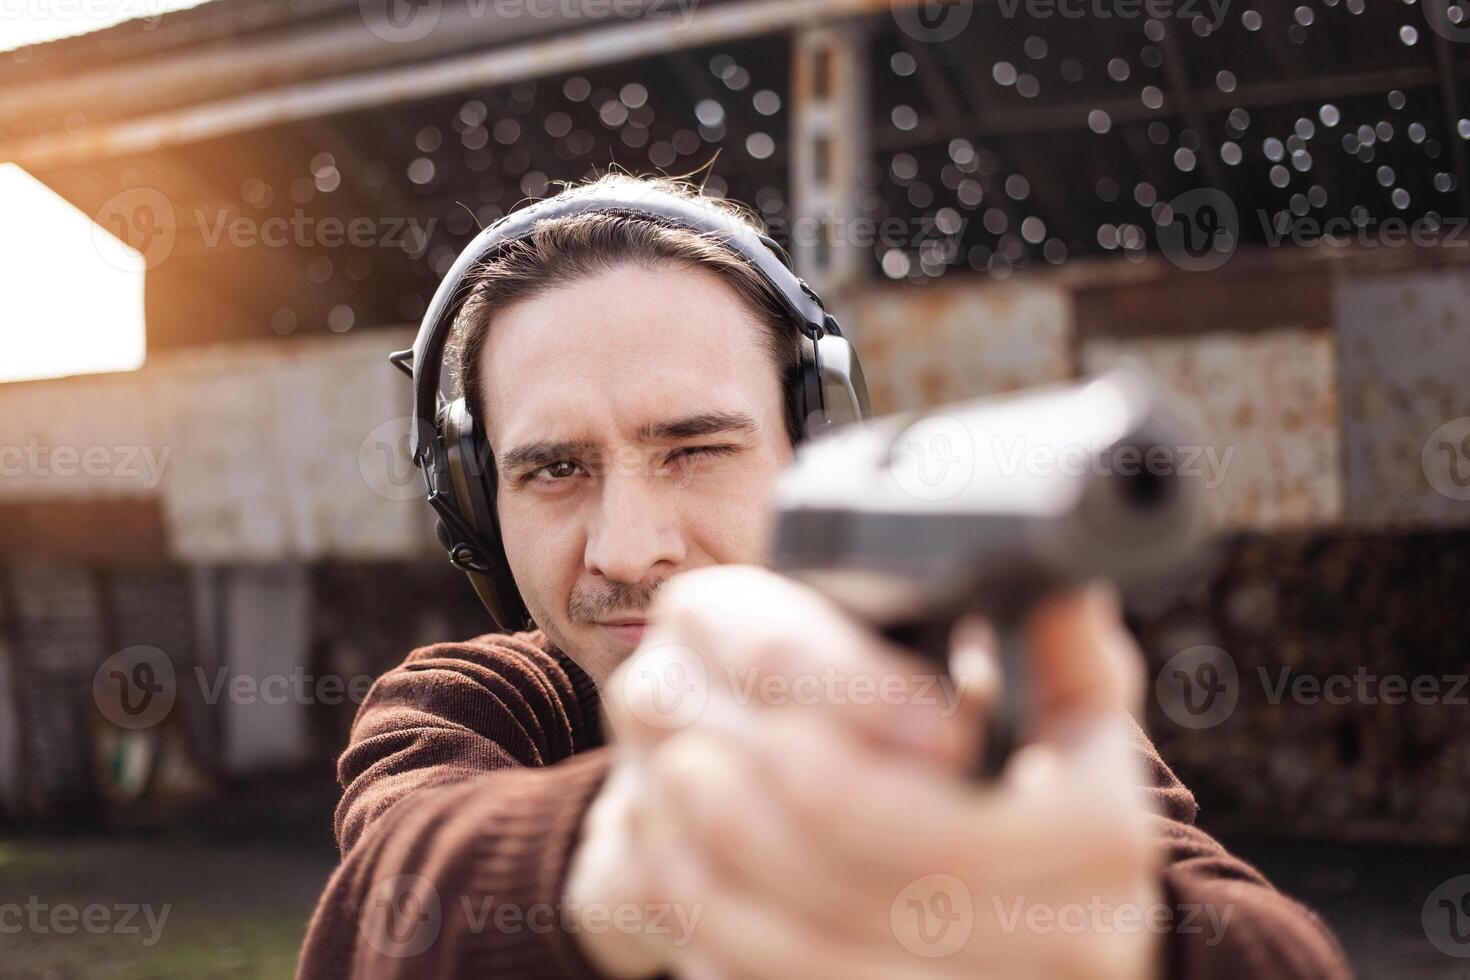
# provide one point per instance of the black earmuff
(448, 442)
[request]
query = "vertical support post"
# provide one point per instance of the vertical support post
(830, 141)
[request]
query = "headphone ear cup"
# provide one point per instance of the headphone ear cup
(830, 390)
(472, 472)
(840, 377)
(441, 531)
(811, 414)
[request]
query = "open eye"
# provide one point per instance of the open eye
(561, 469)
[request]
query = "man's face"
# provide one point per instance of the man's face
(638, 427)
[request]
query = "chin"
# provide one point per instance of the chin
(591, 651)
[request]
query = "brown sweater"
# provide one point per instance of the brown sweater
(470, 768)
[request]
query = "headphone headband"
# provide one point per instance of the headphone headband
(629, 199)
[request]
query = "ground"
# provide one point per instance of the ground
(233, 911)
(238, 906)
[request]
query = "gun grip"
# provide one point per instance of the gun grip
(1005, 717)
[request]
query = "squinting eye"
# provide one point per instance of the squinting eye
(690, 452)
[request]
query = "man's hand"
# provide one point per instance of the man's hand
(801, 802)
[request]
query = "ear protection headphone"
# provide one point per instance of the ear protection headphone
(448, 443)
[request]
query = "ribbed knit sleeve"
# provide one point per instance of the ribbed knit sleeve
(1228, 921)
(468, 773)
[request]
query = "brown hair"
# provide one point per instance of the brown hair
(566, 250)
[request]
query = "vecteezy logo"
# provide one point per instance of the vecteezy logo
(1446, 917)
(933, 916)
(402, 916)
(142, 218)
(1446, 459)
(385, 461)
(932, 21)
(934, 459)
(135, 688)
(1199, 230)
(1198, 687)
(1450, 19)
(400, 21)
(666, 686)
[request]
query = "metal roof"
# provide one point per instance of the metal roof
(1002, 139)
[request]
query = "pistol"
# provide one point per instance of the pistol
(911, 521)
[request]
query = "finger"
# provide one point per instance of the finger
(718, 798)
(1085, 665)
(911, 822)
(775, 644)
(663, 689)
(738, 936)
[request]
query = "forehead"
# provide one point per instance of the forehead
(622, 348)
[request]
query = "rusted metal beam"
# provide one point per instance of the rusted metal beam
(388, 86)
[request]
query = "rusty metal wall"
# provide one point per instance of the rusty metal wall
(1405, 374)
(1265, 406)
(296, 451)
(926, 345)
(1291, 621)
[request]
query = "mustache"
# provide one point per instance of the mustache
(588, 605)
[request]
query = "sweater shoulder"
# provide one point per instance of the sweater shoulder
(511, 655)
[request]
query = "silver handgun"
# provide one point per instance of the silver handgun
(912, 521)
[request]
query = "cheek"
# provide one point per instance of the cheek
(543, 556)
(733, 520)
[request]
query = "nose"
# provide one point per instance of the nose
(635, 536)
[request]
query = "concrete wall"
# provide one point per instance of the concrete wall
(259, 452)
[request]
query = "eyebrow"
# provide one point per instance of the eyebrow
(701, 424)
(689, 427)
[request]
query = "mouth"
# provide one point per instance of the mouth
(629, 631)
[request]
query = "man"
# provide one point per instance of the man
(634, 379)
